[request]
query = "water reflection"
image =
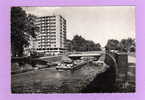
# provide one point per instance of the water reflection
(58, 75)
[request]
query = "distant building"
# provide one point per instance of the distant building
(52, 36)
(68, 45)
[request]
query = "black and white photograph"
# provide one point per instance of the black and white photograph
(78, 49)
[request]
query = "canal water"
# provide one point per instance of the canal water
(50, 80)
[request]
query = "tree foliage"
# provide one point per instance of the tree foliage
(80, 44)
(22, 26)
(125, 45)
(112, 44)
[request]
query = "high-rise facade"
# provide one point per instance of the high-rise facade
(52, 36)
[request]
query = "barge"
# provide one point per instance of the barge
(74, 65)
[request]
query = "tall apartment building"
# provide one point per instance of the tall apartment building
(52, 36)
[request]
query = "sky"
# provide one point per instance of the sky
(98, 23)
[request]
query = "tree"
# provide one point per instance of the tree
(98, 47)
(80, 44)
(22, 26)
(127, 44)
(112, 44)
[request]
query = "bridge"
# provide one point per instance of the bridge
(78, 55)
